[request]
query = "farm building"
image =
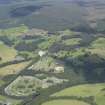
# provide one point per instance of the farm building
(41, 53)
(59, 69)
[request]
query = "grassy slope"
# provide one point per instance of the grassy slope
(7, 53)
(13, 69)
(85, 91)
(98, 47)
(73, 41)
(6, 99)
(65, 102)
(14, 31)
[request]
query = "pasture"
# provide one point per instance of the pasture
(95, 90)
(13, 68)
(65, 102)
(4, 100)
(98, 47)
(16, 31)
(71, 42)
(6, 53)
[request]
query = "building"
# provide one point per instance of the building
(31, 67)
(59, 69)
(41, 53)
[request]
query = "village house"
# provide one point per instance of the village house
(31, 67)
(41, 53)
(59, 69)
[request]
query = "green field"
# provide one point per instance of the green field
(67, 32)
(100, 43)
(7, 53)
(65, 102)
(14, 31)
(49, 41)
(73, 53)
(4, 100)
(71, 42)
(95, 90)
(98, 47)
(13, 68)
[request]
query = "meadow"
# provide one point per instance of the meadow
(98, 47)
(6, 53)
(13, 68)
(7, 100)
(65, 102)
(88, 90)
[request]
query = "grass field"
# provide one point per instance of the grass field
(8, 101)
(95, 90)
(98, 47)
(7, 53)
(13, 69)
(74, 53)
(73, 41)
(67, 32)
(100, 42)
(1, 82)
(65, 102)
(16, 31)
(49, 42)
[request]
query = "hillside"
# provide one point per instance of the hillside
(44, 63)
(52, 52)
